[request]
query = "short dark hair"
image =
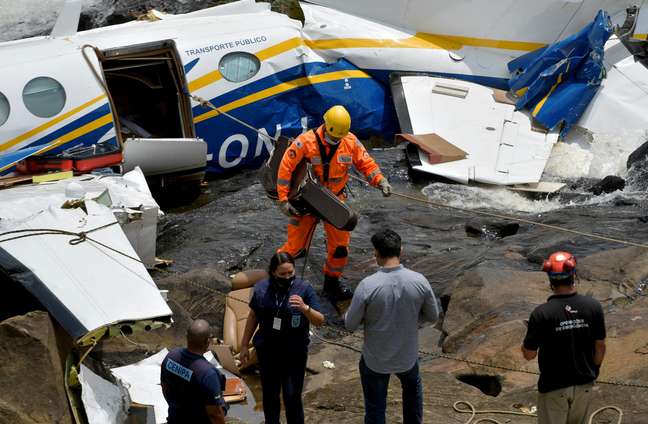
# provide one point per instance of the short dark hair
(277, 259)
(562, 280)
(387, 242)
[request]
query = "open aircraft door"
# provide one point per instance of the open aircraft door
(148, 90)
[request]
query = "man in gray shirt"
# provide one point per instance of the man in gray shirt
(390, 304)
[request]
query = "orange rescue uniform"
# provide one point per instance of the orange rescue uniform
(300, 228)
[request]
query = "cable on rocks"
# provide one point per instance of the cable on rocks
(511, 218)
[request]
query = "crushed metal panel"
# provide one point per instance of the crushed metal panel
(142, 380)
(621, 102)
(103, 401)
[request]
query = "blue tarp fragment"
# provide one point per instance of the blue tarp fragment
(557, 82)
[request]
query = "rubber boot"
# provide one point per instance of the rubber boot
(335, 290)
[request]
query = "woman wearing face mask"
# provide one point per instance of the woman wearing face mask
(283, 307)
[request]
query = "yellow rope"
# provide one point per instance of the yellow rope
(473, 412)
(598, 411)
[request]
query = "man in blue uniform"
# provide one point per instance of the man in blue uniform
(191, 385)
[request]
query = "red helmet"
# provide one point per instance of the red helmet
(560, 264)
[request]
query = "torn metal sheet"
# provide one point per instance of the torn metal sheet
(142, 380)
(622, 101)
(103, 401)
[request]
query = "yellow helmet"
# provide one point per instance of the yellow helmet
(337, 121)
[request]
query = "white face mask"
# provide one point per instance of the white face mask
(330, 139)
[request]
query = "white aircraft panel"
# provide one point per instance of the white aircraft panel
(511, 20)
(502, 148)
(622, 101)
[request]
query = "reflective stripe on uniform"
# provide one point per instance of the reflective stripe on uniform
(316, 160)
(282, 182)
(373, 174)
(345, 159)
(333, 269)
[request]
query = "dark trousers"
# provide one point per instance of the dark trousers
(375, 385)
(283, 372)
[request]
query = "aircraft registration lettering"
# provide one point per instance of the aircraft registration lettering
(264, 140)
(226, 45)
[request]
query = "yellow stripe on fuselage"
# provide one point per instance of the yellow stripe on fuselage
(422, 41)
(415, 42)
(282, 88)
(419, 41)
(46, 125)
(640, 36)
(262, 55)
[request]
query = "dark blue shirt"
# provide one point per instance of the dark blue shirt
(269, 303)
(191, 382)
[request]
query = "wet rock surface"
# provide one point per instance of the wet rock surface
(609, 184)
(488, 287)
(491, 230)
(32, 388)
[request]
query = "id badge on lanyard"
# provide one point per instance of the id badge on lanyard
(276, 322)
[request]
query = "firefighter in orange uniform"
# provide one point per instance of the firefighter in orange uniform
(331, 149)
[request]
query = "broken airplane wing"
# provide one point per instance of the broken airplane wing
(77, 263)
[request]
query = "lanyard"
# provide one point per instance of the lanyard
(279, 303)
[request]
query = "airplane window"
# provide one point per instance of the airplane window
(239, 66)
(44, 97)
(4, 109)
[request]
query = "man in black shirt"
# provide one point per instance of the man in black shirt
(567, 333)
